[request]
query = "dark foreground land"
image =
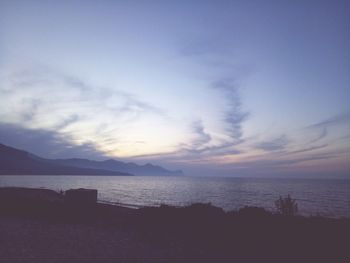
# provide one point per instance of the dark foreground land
(46, 229)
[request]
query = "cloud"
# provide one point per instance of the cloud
(217, 58)
(66, 122)
(336, 124)
(233, 119)
(30, 93)
(134, 105)
(309, 149)
(340, 119)
(234, 116)
(323, 134)
(202, 137)
(33, 106)
(276, 144)
(195, 151)
(45, 143)
(278, 163)
(44, 99)
(204, 144)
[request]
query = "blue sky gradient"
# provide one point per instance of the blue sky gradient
(232, 88)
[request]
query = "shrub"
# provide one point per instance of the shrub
(286, 206)
(253, 212)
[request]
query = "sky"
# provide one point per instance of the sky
(215, 88)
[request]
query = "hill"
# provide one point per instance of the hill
(18, 162)
(15, 161)
(114, 165)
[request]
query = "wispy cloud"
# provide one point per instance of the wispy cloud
(46, 99)
(233, 119)
(202, 137)
(323, 134)
(275, 144)
(333, 128)
(66, 122)
(340, 119)
(308, 149)
(268, 163)
(42, 88)
(234, 116)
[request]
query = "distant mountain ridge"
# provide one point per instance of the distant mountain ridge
(18, 162)
(14, 161)
(114, 165)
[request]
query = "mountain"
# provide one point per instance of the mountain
(114, 165)
(14, 161)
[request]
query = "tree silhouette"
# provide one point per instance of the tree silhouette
(286, 206)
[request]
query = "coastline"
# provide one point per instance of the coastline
(47, 230)
(313, 196)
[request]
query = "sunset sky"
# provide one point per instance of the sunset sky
(222, 88)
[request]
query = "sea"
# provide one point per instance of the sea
(324, 197)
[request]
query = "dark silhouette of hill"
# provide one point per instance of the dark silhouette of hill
(114, 165)
(18, 162)
(14, 161)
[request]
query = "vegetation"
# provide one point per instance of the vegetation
(286, 206)
(195, 233)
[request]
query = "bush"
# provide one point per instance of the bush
(286, 206)
(253, 212)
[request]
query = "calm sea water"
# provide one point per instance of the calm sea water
(314, 196)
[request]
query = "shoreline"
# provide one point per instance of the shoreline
(269, 208)
(230, 194)
(44, 229)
